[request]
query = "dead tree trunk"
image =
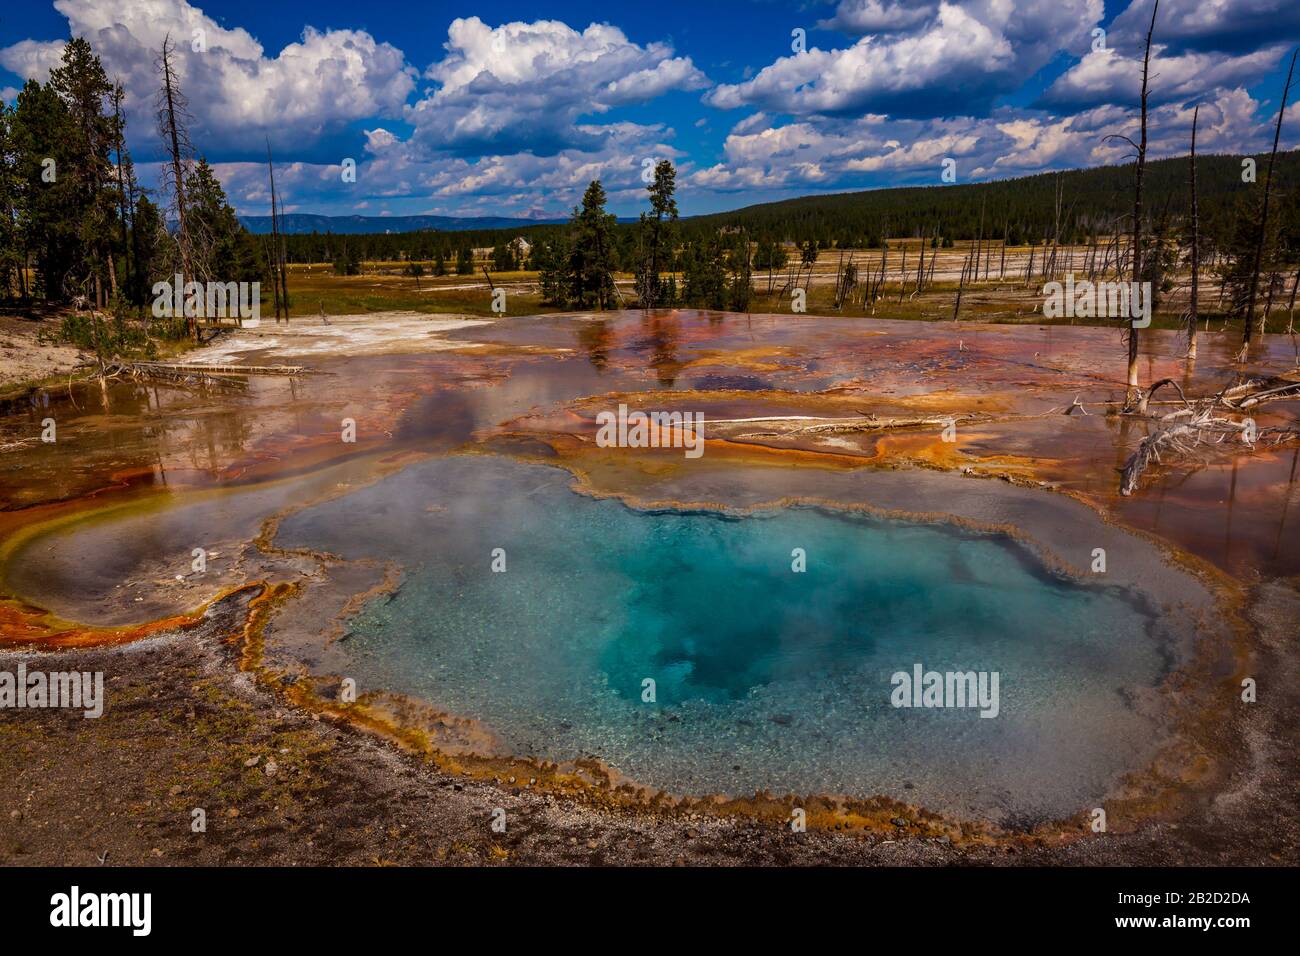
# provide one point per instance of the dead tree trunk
(961, 285)
(884, 253)
(171, 108)
(273, 257)
(1263, 217)
(1137, 200)
(902, 275)
(279, 279)
(1295, 285)
(118, 148)
(920, 267)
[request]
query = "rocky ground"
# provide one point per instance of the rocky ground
(183, 729)
(24, 360)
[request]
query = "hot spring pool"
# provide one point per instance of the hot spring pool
(764, 678)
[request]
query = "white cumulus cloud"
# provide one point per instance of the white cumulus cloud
(234, 89)
(967, 54)
(525, 86)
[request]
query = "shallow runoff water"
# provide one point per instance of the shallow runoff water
(764, 677)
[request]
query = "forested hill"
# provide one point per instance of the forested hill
(1092, 201)
(1096, 201)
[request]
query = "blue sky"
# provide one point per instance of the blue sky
(510, 108)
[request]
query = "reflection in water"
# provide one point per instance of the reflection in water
(597, 338)
(662, 333)
(1227, 520)
(157, 435)
(1286, 503)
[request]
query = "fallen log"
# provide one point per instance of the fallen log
(171, 376)
(1202, 431)
(871, 424)
(220, 369)
(801, 425)
(1273, 392)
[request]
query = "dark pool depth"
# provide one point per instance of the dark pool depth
(764, 678)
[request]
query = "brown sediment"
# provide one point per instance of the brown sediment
(25, 626)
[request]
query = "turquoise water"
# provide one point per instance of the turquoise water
(764, 678)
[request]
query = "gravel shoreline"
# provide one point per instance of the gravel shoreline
(184, 729)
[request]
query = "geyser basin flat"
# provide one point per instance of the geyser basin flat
(765, 678)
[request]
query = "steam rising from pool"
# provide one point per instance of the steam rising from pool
(764, 678)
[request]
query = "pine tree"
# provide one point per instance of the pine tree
(551, 257)
(658, 230)
(1253, 249)
(704, 276)
(503, 257)
(223, 250)
(48, 225)
(739, 259)
(347, 262)
(150, 244)
(12, 282)
(591, 262)
(81, 83)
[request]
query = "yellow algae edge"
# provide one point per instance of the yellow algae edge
(408, 723)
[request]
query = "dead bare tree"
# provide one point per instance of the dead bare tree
(125, 209)
(884, 254)
(1295, 285)
(173, 127)
(1137, 197)
(1263, 218)
(279, 285)
(1197, 428)
(1056, 232)
(920, 267)
(1140, 148)
(902, 275)
(961, 286)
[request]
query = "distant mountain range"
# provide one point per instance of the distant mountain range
(299, 222)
